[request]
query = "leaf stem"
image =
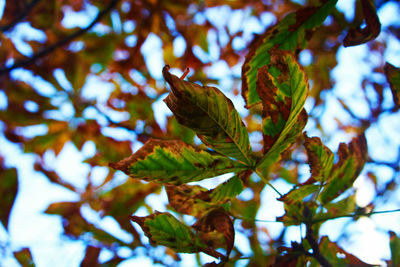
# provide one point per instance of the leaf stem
(355, 215)
(267, 182)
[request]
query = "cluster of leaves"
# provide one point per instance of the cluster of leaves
(274, 87)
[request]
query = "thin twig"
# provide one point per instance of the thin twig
(355, 215)
(24, 12)
(66, 40)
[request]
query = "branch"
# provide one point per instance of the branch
(22, 15)
(66, 40)
(315, 247)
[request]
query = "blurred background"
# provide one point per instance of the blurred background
(81, 86)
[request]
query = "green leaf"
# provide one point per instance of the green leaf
(352, 158)
(173, 161)
(393, 75)
(298, 194)
(331, 250)
(283, 95)
(208, 112)
(229, 189)
(357, 36)
(285, 139)
(394, 248)
(290, 34)
(164, 229)
(295, 213)
(8, 191)
(332, 210)
(320, 158)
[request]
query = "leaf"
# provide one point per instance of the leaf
(188, 199)
(320, 158)
(393, 76)
(299, 194)
(229, 189)
(283, 89)
(337, 209)
(194, 200)
(290, 34)
(208, 112)
(394, 249)
(8, 191)
(330, 250)
(164, 229)
(214, 224)
(352, 158)
(297, 212)
(372, 29)
(24, 257)
(174, 162)
(285, 139)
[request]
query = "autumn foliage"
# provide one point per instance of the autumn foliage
(96, 85)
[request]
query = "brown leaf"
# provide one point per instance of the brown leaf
(91, 257)
(371, 31)
(213, 224)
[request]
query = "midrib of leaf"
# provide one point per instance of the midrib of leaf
(224, 129)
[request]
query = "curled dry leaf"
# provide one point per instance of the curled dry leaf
(370, 32)
(214, 225)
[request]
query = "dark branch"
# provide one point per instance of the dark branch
(315, 247)
(66, 40)
(25, 11)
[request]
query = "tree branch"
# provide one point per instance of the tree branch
(22, 15)
(66, 40)
(315, 247)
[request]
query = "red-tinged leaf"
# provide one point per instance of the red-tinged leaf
(24, 257)
(75, 225)
(208, 112)
(122, 200)
(330, 251)
(394, 249)
(320, 158)
(285, 140)
(8, 191)
(352, 158)
(188, 199)
(372, 29)
(393, 76)
(174, 162)
(195, 200)
(290, 34)
(164, 229)
(214, 225)
(91, 257)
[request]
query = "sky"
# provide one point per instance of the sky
(43, 233)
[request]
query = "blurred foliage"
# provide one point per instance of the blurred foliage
(97, 83)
